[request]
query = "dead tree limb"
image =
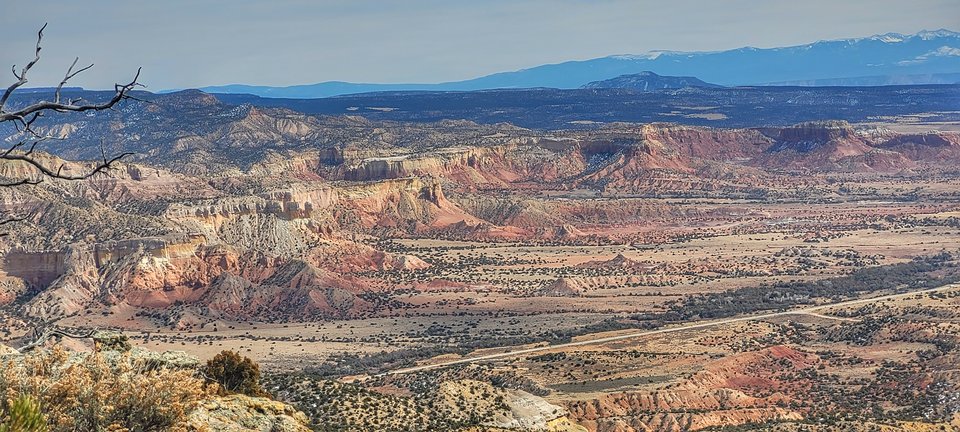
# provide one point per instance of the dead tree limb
(23, 119)
(43, 337)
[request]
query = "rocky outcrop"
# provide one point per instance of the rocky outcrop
(240, 413)
(463, 405)
(933, 149)
(115, 346)
(140, 383)
(81, 273)
(562, 287)
(288, 222)
(251, 239)
(830, 146)
(520, 411)
(679, 422)
(402, 206)
(553, 217)
(660, 157)
(156, 273)
(296, 289)
(618, 261)
(498, 166)
(719, 395)
(805, 137)
(718, 145)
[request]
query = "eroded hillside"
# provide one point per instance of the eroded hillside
(341, 248)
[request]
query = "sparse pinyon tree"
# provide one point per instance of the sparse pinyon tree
(23, 120)
(234, 373)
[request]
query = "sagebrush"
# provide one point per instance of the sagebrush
(88, 392)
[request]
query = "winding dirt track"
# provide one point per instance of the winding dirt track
(805, 311)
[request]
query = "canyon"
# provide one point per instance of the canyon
(334, 248)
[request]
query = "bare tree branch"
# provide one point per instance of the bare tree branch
(70, 74)
(11, 220)
(24, 118)
(21, 182)
(22, 77)
(42, 338)
(58, 174)
(120, 94)
(120, 91)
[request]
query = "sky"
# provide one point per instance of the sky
(195, 43)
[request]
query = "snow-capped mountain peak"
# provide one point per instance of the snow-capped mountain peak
(890, 37)
(933, 34)
(652, 55)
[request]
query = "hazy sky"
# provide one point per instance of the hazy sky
(191, 43)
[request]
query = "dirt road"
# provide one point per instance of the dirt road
(638, 334)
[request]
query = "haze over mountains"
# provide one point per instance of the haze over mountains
(927, 57)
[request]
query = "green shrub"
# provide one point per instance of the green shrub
(23, 415)
(235, 373)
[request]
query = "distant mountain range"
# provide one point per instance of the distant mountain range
(544, 108)
(878, 80)
(926, 57)
(648, 81)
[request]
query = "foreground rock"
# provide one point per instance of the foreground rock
(506, 409)
(147, 390)
(239, 413)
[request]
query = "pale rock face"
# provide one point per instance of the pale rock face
(524, 411)
(7, 351)
(255, 239)
(563, 287)
(533, 413)
(239, 413)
